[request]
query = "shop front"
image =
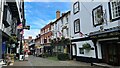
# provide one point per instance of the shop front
(111, 52)
(107, 45)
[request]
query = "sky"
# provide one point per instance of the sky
(38, 14)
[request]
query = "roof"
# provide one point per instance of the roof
(45, 26)
(60, 17)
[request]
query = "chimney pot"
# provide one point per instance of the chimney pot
(63, 14)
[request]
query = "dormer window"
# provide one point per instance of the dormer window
(114, 9)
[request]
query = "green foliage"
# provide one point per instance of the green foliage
(58, 41)
(63, 56)
(86, 46)
(53, 42)
(67, 41)
(12, 39)
(52, 58)
(46, 55)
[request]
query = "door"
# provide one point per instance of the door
(111, 53)
(118, 52)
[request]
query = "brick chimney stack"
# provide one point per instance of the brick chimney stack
(57, 14)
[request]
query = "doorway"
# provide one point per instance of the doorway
(110, 52)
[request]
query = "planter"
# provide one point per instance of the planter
(63, 56)
(86, 46)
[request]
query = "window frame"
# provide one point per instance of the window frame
(77, 7)
(80, 51)
(67, 30)
(93, 15)
(62, 21)
(67, 19)
(110, 13)
(75, 26)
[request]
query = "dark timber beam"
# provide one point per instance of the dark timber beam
(96, 52)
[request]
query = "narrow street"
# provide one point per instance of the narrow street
(67, 33)
(38, 61)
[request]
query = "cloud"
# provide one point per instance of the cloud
(38, 14)
(48, 0)
(31, 32)
(66, 0)
(35, 28)
(39, 23)
(28, 0)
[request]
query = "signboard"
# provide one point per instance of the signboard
(106, 35)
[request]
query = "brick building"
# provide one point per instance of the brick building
(45, 36)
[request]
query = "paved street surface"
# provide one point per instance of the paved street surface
(38, 61)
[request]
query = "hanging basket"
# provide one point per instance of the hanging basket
(86, 46)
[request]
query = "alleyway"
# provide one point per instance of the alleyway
(38, 61)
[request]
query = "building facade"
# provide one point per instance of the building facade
(45, 36)
(95, 31)
(11, 15)
(61, 31)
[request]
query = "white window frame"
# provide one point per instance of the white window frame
(67, 19)
(81, 51)
(114, 13)
(77, 26)
(97, 15)
(76, 7)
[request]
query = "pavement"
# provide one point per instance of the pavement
(38, 61)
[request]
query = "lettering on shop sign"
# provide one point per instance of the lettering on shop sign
(106, 35)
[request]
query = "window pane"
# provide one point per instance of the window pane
(81, 50)
(115, 9)
(76, 7)
(77, 25)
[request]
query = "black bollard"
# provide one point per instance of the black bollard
(91, 61)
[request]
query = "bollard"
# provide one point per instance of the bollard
(91, 61)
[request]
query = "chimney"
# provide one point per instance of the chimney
(57, 14)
